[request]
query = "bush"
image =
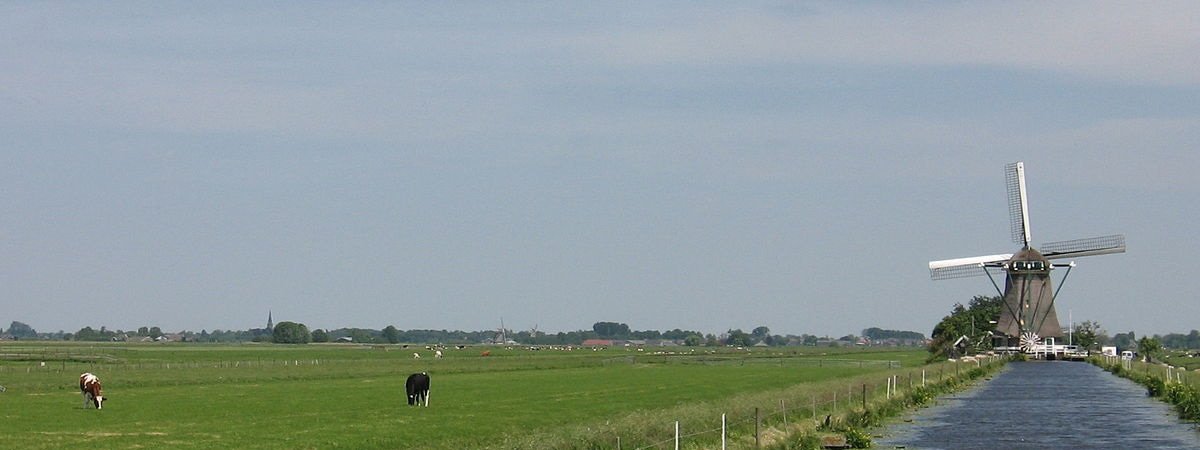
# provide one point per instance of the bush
(1155, 387)
(1186, 399)
(920, 396)
(857, 438)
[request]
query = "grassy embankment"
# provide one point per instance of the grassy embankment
(1169, 383)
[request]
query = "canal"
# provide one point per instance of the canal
(1042, 405)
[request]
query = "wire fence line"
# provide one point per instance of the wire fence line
(1169, 373)
(781, 361)
(857, 397)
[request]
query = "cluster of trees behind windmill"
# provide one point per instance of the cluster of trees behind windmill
(975, 321)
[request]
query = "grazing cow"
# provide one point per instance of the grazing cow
(89, 386)
(486, 353)
(416, 356)
(437, 354)
(417, 388)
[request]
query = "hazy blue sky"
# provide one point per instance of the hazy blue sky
(696, 165)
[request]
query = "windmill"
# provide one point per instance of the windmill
(1028, 314)
(501, 334)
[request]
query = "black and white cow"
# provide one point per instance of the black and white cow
(417, 388)
(89, 386)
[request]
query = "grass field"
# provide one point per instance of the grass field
(333, 396)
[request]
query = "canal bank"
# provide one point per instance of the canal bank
(1045, 404)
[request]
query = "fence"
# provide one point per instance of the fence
(792, 414)
(1168, 373)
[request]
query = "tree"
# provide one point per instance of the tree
(974, 322)
(362, 336)
(290, 333)
(694, 340)
(739, 338)
(1149, 348)
(319, 335)
(155, 332)
(21, 331)
(877, 334)
(391, 334)
(1125, 341)
(760, 333)
(1087, 334)
(610, 329)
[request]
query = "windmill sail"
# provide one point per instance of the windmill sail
(966, 267)
(1101, 245)
(1018, 205)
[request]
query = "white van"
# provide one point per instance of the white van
(1127, 355)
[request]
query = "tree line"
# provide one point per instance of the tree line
(292, 332)
(976, 322)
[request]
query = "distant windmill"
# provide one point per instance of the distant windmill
(501, 336)
(1028, 312)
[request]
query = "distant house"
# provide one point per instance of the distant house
(349, 339)
(597, 343)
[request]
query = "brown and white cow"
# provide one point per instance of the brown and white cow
(89, 386)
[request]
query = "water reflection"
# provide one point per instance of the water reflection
(1046, 405)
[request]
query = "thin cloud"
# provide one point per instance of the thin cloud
(1136, 43)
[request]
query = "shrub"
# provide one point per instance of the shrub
(920, 396)
(1155, 387)
(1186, 399)
(857, 438)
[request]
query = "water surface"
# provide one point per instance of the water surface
(1046, 405)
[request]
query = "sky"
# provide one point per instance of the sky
(698, 165)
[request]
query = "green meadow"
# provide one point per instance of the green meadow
(350, 396)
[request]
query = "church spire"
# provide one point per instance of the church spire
(270, 323)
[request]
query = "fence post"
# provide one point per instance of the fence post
(783, 408)
(722, 431)
(756, 422)
(864, 397)
(676, 435)
(814, 402)
(922, 377)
